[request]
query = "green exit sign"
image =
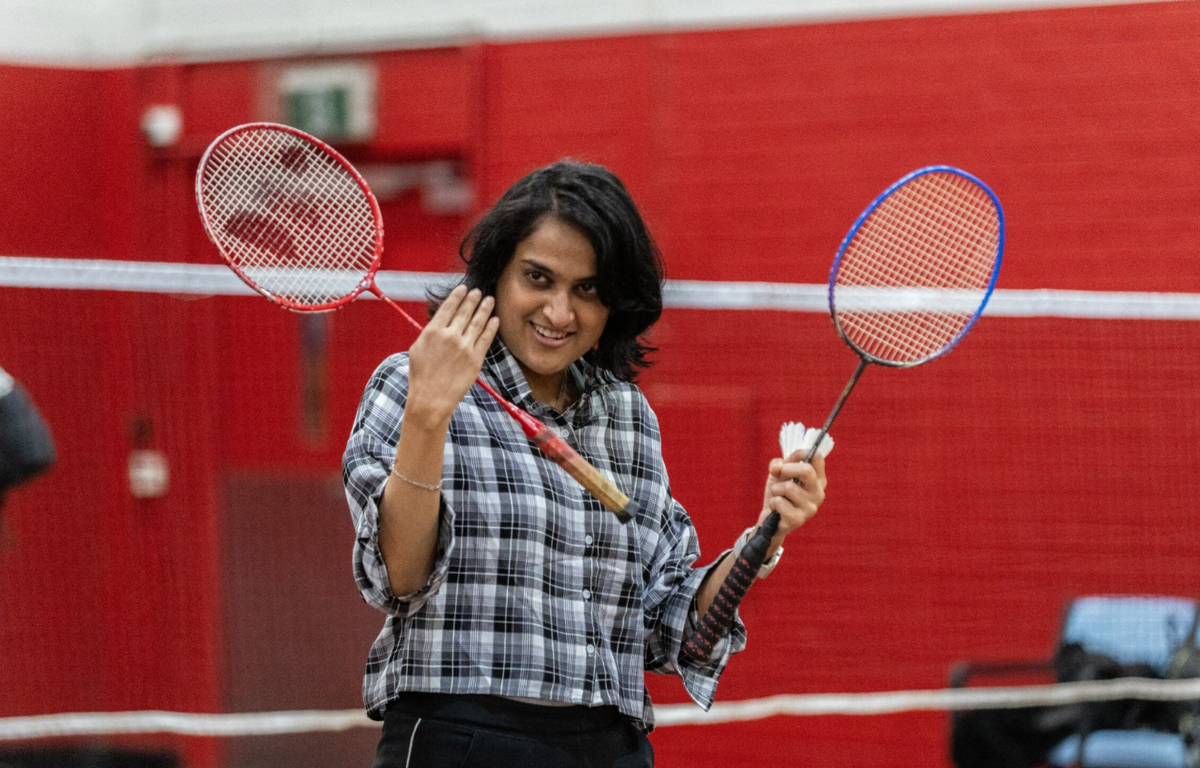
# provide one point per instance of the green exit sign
(335, 101)
(322, 112)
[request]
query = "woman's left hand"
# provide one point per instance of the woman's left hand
(795, 490)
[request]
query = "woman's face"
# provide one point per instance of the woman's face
(549, 309)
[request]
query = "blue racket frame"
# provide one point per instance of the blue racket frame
(878, 201)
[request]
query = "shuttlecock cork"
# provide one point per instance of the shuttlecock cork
(794, 437)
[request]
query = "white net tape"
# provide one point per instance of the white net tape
(914, 274)
(289, 215)
(816, 704)
(217, 280)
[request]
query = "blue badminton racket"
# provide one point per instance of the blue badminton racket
(910, 279)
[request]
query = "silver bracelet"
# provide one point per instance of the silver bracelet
(422, 486)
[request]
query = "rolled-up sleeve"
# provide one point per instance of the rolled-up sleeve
(669, 602)
(366, 467)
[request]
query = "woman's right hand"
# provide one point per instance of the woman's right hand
(446, 358)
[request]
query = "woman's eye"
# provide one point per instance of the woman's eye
(587, 288)
(535, 276)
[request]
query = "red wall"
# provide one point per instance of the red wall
(968, 499)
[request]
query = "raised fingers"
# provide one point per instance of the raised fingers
(479, 318)
(466, 310)
(445, 313)
(484, 340)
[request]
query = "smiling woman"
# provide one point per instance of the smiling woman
(549, 307)
(521, 616)
(585, 207)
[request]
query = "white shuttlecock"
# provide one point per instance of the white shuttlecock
(794, 437)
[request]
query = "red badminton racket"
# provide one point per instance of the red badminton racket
(298, 224)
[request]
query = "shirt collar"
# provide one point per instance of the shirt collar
(504, 373)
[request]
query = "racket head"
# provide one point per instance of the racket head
(290, 216)
(915, 271)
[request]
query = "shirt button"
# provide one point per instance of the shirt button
(587, 594)
(588, 539)
(591, 649)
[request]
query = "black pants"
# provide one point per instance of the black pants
(429, 730)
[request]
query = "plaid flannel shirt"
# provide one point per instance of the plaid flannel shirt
(537, 590)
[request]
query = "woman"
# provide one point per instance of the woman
(522, 615)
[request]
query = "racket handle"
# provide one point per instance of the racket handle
(719, 617)
(584, 473)
(568, 458)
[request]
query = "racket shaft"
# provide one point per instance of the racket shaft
(719, 617)
(837, 408)
(549, 443)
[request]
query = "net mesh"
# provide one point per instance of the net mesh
(211, 621)
(288, 215)
(916, 270)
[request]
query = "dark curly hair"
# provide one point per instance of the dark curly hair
(629, 271)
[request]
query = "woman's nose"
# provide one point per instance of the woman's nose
(558, 309)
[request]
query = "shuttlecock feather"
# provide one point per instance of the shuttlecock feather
(794, 437)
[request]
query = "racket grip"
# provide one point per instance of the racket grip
(719, 617)
(584, 473)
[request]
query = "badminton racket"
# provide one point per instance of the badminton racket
(298, 224)
(909, 280)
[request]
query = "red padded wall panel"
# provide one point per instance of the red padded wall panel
(967, 499)
(51, 201)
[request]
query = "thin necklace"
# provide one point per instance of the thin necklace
(559, 405)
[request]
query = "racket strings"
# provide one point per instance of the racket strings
(901, 337)
(299, 188)
(912, 277)
(962, 231)
(918, 224)
(289, 216)
(297, 262)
